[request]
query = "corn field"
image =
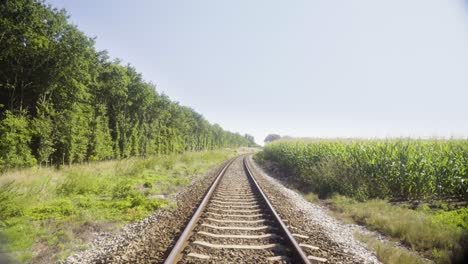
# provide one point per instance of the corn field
(397, 168)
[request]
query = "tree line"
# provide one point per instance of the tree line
(62, 101)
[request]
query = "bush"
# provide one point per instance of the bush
(84, 202)
(457, 218)
(80, 183)
(60, 208)
(154, 204)
(168, 162)
(10, 207)
(123, 190)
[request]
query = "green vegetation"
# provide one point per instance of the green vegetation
(51, 212)
(389, 254)
(63, 102)
(359, 177)
(404, 169)
(434, 233)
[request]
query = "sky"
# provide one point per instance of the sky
(310, 68)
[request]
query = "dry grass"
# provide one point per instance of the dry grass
(389, 253)
(417, 229)
(312, 197)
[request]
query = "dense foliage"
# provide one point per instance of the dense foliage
(410, 169)
(61, 101)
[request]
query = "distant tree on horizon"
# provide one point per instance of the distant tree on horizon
(251, 140)
(271, 137)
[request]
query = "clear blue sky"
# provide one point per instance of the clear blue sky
(300, 68)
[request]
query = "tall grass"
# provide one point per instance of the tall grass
(437, 234)
(387, 253)
(46, 208)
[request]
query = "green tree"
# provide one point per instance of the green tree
(100, 143)
(42, 128)
(250, 139)
(15, 139)
(272, 137)
(82, 106)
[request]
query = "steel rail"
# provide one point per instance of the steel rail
(180, 244)
(298, 254)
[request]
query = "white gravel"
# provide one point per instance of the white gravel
(339, 232)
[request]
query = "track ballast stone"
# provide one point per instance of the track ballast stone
(335, 240)
(234, 213)
(150, 240)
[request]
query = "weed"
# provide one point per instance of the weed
(80, 183)
(168, 162)
(123, 190)
(416, 228)
(312, 197)
(60, 208)
(9, 196)
(457, 218)
(390, 254)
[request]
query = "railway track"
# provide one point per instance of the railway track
(236, 223)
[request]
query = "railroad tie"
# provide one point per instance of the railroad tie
(240, 228)
(230, 200)
(309, 246)
(300, 236)
(227, 246)
(239, 236)
(279, 258)
(235, 206)
(232, 197)
(315, 259)
(238, 221)
(234, 203)
(197, 255)
(234, 215)
(236, 211)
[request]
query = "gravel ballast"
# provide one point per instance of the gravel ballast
(233, 185)
(314, 218)
(150, 240)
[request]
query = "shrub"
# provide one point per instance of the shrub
(60, 208)
(168, 162)
(123, 190)
(457, 218)
(79, 183)
(10, 206)
(154, 204)
(84, 202)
